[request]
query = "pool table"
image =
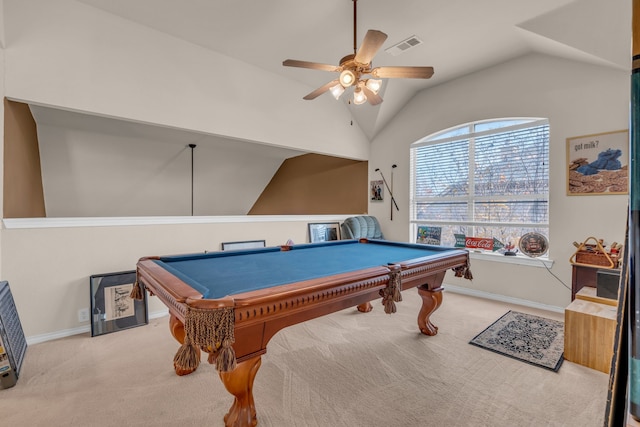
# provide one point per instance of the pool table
(231, 303)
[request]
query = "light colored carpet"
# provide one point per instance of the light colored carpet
(346, 369)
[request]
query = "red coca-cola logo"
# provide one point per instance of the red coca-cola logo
(479, 243)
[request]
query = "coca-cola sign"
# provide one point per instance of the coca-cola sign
(479, 243)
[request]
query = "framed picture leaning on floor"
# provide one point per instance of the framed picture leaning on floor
(324, 231)
(112, 309)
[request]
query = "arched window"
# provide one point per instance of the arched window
(486, 179)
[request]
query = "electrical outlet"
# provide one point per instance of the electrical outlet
(83, 315)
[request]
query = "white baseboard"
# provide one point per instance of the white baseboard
(502, 298)
(36, 339)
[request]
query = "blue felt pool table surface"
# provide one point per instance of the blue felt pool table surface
(218, 274)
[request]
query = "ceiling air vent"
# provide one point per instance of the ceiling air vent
(403, 46)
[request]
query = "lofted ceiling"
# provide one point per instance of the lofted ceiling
(459, 36)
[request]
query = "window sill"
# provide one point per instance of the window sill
(518, 259)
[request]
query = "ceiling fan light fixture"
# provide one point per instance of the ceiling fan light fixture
(354, 66)
(374, 85)
(337, 91)
(347, 78)
(359, 97)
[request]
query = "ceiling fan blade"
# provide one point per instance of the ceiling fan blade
(373, 98)
(372, 42)
(311, 65)
(403, 72)
(322, 89)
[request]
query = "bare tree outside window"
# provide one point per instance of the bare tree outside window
(486, 179)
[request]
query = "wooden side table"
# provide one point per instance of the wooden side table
(582, 276)
(589, 330)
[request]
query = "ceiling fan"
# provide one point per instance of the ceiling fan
(355, 68)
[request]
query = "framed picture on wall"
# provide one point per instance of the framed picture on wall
(324, 231)
(112, 309)
(598, 164)
(376, 191)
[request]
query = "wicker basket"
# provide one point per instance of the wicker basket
(599, 259)
(593, 255)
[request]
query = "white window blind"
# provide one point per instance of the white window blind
(484, 179)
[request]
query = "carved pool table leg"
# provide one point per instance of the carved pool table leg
(239, 382)
(177, 330)
(365, 308)
(431, 300)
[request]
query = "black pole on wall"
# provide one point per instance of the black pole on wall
(192, 146)
(391, 206)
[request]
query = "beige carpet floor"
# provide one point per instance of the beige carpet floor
(346, 369)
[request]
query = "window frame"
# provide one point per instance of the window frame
(471, 198)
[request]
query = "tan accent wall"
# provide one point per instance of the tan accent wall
(23, 191)
(315, 184)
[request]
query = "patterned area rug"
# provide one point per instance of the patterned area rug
(525, 337)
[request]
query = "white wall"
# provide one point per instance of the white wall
(2, 93)
(65, 54)
(578, 99)
(100, 167)
(48, 263)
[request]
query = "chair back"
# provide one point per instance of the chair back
(362, 226)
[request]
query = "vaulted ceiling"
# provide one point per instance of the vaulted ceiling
(458, 37)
